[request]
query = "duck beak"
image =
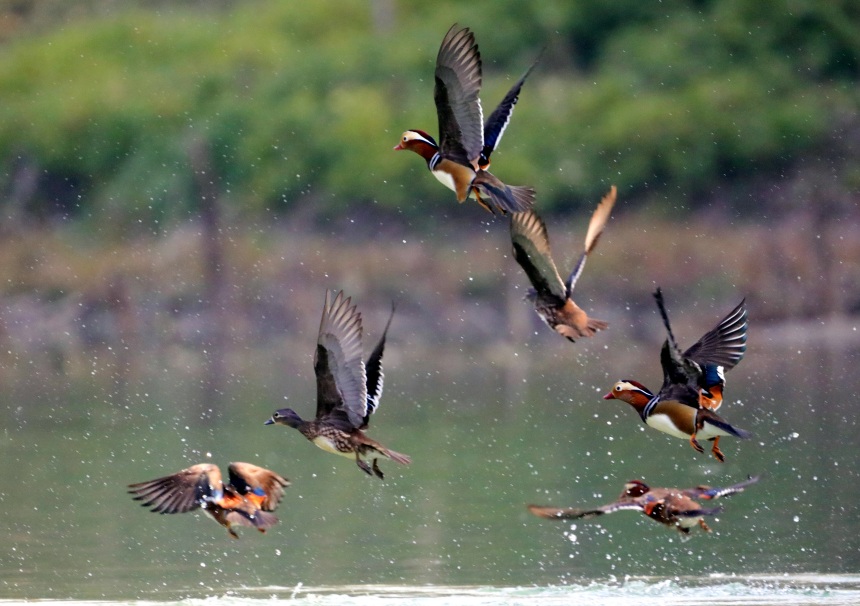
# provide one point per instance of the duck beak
(398, 147)
(609, 396)
(269, 421)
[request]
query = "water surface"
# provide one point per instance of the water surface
(489, 432)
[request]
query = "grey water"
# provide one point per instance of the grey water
(489, 431)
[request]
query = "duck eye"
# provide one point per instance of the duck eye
(617, 388)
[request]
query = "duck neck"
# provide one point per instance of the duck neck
(424, 149)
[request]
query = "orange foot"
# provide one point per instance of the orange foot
(695, 444)
(704, 526)
(482, 203)
(717, 452)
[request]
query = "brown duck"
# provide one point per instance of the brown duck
(347, 391)
(550, 295)
(246, 500)
(674, 507)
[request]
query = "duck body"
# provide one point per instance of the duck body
(675, 411)
(340, 438)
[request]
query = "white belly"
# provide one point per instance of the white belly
(664, 424)
(445, 179)
(328, 446)
(710, 431)
(688, 522)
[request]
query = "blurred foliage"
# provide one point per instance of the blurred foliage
(302, 102)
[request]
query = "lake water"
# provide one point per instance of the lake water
(489, 430)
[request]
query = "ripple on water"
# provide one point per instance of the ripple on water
(758, 590)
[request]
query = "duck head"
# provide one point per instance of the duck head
(285, 416)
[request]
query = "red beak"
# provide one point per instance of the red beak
(609, 396)
(398, 147)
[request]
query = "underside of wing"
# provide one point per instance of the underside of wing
(375, 374)
(531, 250)
(595, 228)
(599, 218)
(183, 491)
(456, 93)
(574, 513)
(726, 343)
(708, 492)
(338, 365)
(247, 478)
(498, 121)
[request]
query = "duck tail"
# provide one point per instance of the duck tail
(398, 457)
(725, 426)
(594, 325)
(498, 197)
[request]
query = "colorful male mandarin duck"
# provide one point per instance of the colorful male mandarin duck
(347, 394)
(551, 296)
(461, 158)
(670, 506)
(692, 383)
(247, 500)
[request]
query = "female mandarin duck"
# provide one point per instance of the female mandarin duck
(246, 500)
(551, 296)
(692, 383)
(347, 394)
(461, 158)
(670, 506)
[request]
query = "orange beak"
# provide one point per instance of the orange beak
(609, 396)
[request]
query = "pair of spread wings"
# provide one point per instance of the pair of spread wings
(719, 349)
(530, 242)
(463, 136)
(346, 388)
(200, 484)
(684, 507)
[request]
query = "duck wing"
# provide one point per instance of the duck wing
(708, 492)
(573, 513)
(595, 228)
(726, 343)
(341, 387)
(495, 126)
(678, 369)
(375, 375)
(266, 486)
(458, 106)
(531, 250)
(182, 491)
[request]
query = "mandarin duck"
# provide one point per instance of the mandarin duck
(347, 391)
(552, 297)
(692, 383)
(461, 158)
(246, 500)
(670, 506)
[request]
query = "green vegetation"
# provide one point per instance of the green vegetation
(301, 103)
